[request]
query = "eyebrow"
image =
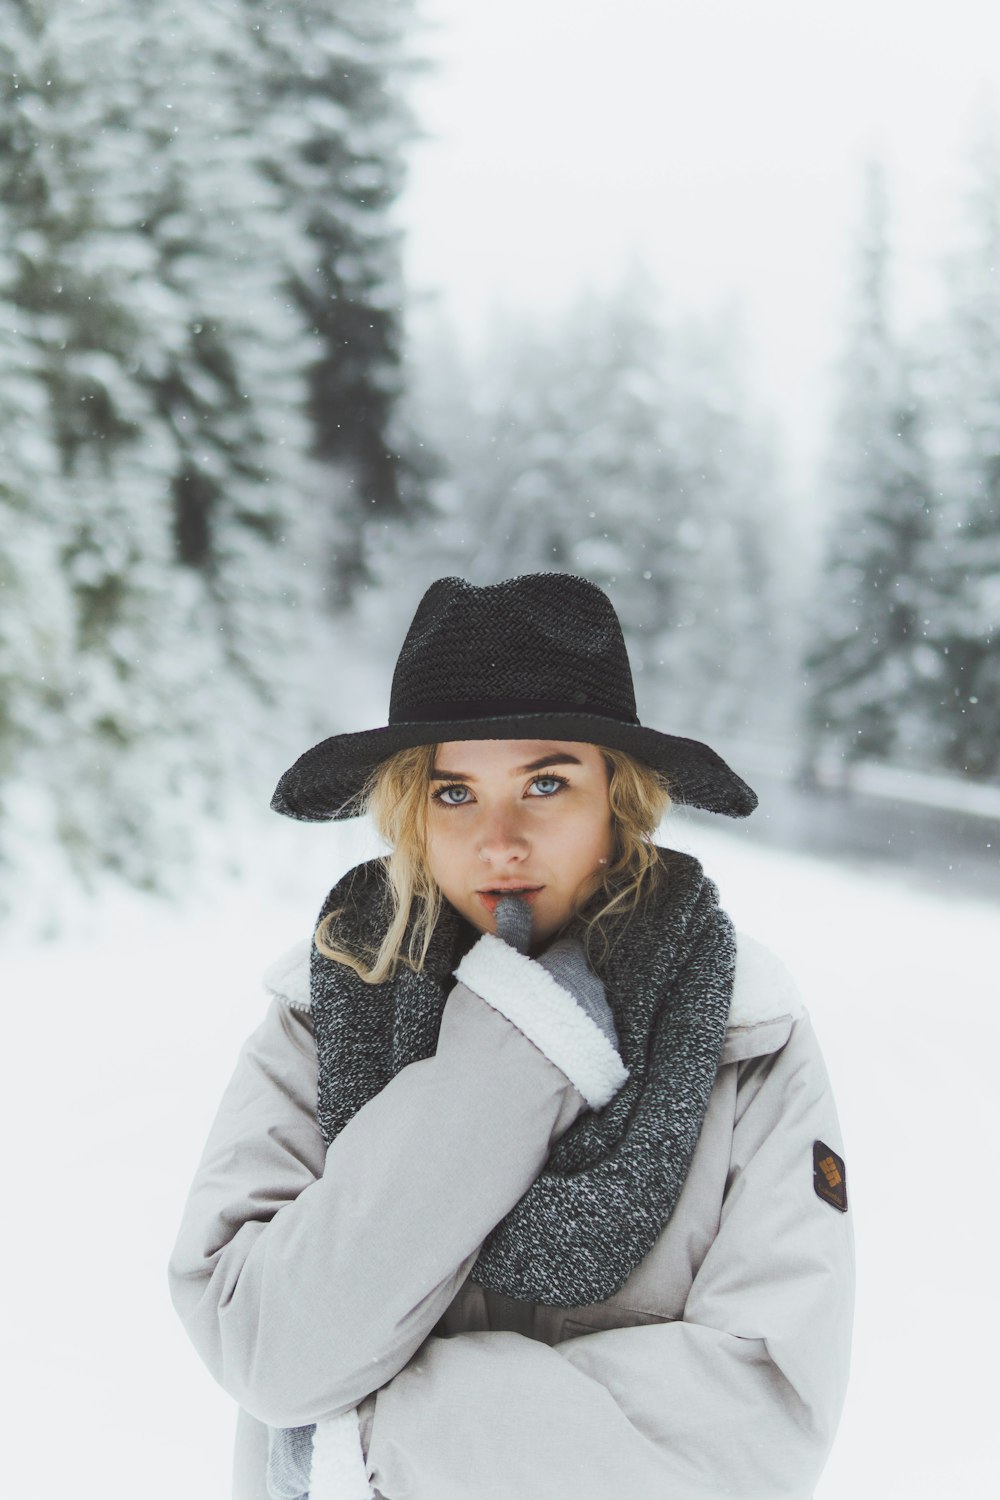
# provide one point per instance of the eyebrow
(561, 758)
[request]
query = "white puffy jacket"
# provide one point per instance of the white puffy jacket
(314, 1281)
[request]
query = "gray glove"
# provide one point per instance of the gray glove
(565, 960)
(289, 1462)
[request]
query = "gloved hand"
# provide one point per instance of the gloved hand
(289, 1462)
(513, 919)
(564, 960)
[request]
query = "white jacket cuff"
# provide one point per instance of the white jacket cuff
(339, 1470)
(548, 1015)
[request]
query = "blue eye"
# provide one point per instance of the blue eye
(444, 795)
(549, 785)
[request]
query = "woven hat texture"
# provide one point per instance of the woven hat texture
(540, 656)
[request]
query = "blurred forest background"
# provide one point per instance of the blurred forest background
(231, 463)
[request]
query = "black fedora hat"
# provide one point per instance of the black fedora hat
(536, 657)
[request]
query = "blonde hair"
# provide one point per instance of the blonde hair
(396, 799)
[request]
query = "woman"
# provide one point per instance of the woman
(530, 1184)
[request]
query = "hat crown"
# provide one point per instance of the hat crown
(548, 640)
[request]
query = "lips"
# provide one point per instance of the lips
(491, 898)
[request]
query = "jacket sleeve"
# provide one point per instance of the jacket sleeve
(739, 1398)
(307, 1277)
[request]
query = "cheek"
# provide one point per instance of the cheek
(591, 843)
(434, 853)
(444, 849)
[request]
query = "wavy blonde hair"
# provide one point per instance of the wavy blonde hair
(395, 796)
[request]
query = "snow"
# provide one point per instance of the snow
(122, 1037)
(957, 793)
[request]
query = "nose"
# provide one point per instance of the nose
(502, 840)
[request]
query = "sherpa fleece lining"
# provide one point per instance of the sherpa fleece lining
(763, 989)
(288, 975)
(338, 1469)
(548, 1015)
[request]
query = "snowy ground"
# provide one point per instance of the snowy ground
(119, 1040)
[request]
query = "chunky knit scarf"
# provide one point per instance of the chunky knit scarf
(612, 1181)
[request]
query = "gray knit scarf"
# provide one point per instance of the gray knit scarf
(612, 1181)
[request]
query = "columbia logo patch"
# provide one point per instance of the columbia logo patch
(829, 1176)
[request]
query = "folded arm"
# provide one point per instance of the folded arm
(308, 1277)
(740, 1398)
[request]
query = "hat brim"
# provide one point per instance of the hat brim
(324, 784)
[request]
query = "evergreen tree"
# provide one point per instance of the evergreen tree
(727, 651)
(965, 611)
(329, 134)
(868, 661)
(85, 609)
(221, 352)
(159, 467)
(33, 624)
(35, 603)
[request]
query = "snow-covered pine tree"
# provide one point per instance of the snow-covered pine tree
(80, 490)
(222, 360)
(329, 127)
(729, 652)
(162, 380)
(964, 609)
(867, 658)
(223, 352)
(34, 629)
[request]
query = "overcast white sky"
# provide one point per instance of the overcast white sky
(720, 140)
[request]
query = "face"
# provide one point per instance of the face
(519, 815)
